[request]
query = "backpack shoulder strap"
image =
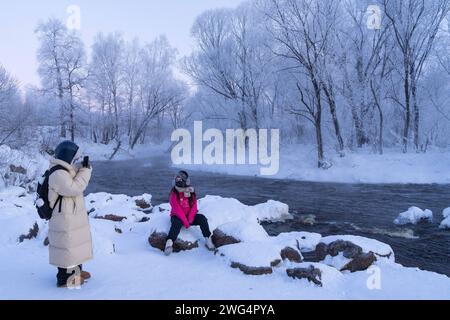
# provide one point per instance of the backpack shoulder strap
(51, 171)
(56, 168)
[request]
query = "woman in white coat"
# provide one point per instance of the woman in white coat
(70, 240)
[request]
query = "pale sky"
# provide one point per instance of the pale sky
(145, 19)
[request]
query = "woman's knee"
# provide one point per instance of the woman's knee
(201, 218)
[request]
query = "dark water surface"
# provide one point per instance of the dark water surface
(358, 209)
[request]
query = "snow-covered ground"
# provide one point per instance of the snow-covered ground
(298, 162)
(126, 267)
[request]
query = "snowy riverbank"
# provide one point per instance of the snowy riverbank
(127, 267)
(298, 162)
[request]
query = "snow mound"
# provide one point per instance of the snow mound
(446, 213)
(224, 210)
(244, 230)
(229, 215)
(414, 215)
(272, 211)
(304, 241)
(104, 237)
(445, 224)
(368, 245)
(252, 254)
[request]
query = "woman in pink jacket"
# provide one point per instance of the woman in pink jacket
(183, 201)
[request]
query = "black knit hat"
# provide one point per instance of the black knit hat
(66, 151)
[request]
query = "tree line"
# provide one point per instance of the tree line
(315, 69)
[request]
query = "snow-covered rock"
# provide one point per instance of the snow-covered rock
(159, 224)
(144, 202)
(19, 168)
(220, 238)
(446, 213)
(414, 215)
(158, 241)
(230, 220)
(367, 245)
(304, 241)
(272, 211)
(224, 210)
(244, 230)
(291, 254)
(445, 224)
(252, 258)
(352, 253)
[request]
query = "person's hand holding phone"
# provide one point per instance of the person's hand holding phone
(86, 163)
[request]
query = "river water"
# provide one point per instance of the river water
(358, 209)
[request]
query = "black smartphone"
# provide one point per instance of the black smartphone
(86, 162)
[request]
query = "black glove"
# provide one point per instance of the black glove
(86, 163)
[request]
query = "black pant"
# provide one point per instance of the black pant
(177, 224)
(64, 274)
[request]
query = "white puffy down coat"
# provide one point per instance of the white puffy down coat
(69, 230)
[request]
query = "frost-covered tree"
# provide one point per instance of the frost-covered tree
(11, 111)
(62, 63)
(233, 60)
(106, 81)
(158, 90)
(415, 24)
(304, 30)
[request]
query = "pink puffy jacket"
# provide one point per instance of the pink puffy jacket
(182, 209)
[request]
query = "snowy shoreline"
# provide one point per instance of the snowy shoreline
(297, 163)
(127, 267)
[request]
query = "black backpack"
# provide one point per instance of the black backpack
(42, 203)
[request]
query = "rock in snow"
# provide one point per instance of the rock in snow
(291, 254)
(361, 262)
(144, 202)
(158, 241)
(111, 217)
(352, 253)
(220, 239)
(414, 215)
(32, 233)
(311, 274)
(316, 273)
(367, 245)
